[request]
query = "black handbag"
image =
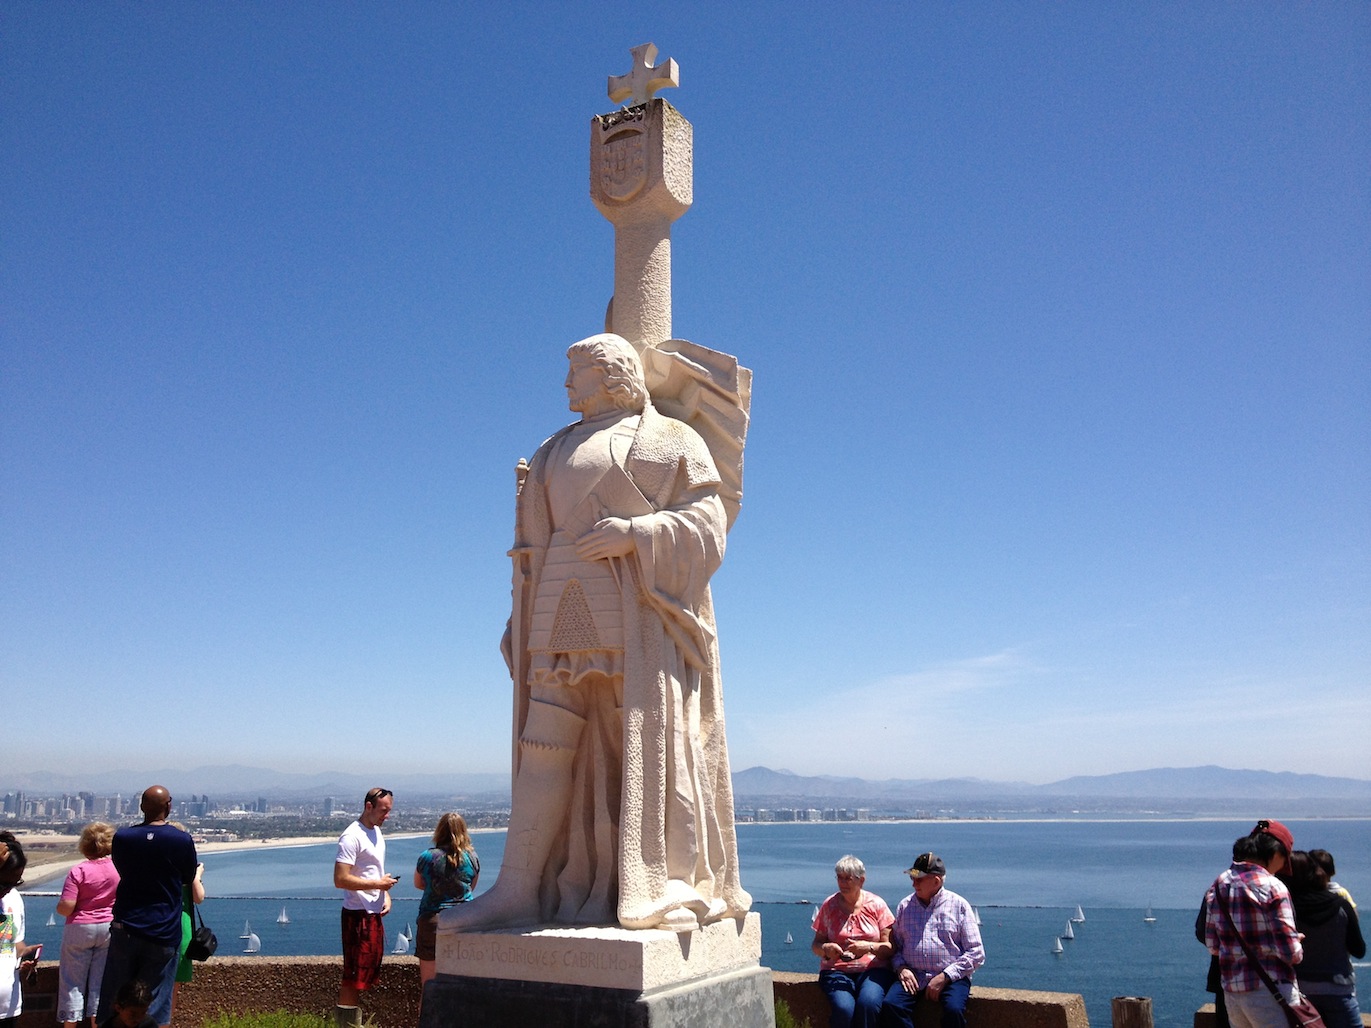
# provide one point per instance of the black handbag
(202, 940)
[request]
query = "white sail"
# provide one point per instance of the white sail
(52, 919)
(1079, 915)
(789, 939)
(254, 944)
(1148, 916)
(1057, 946)
(283, 917)
(1068, 934)
(977, 914)
(401, 946)
(247, 931)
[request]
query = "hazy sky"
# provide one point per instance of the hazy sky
(1059, 314)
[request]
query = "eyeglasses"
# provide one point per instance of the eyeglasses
(849, 878)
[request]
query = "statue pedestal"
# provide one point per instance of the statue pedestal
(560, 977)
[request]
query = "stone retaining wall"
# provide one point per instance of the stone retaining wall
(310, 985)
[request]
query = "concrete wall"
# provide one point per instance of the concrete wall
(310, 985)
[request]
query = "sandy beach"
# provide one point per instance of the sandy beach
(42, 871)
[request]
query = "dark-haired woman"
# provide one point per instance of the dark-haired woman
(1332, 937)
(447, 872)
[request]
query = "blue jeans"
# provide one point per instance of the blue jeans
(855, 999)
(1336, 1011)
(898, 1009)
(133, 956)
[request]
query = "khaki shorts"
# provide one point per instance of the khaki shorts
(426, 938)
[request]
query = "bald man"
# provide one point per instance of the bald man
(154, 860)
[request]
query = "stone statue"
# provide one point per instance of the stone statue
(622, 802)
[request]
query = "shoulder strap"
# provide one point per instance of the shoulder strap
(1251, 957)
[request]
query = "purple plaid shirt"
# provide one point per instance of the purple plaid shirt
(940, 937)
(1260, 905)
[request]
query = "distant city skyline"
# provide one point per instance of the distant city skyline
(1057, 315)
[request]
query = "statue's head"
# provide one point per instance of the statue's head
(621, 384)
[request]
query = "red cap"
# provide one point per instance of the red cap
(1278, 832)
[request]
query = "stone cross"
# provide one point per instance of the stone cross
(645, 78)
(641, 179)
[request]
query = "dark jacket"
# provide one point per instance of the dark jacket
(1332, 937)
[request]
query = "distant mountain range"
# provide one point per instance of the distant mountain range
(1190, 790)
(1193, 790)
(239, 781)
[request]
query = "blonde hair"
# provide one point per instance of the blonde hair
(96, 840)
(451, 836)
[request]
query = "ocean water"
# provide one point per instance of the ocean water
(1025, 878)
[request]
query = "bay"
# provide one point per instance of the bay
(1025, 878)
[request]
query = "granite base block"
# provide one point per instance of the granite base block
(636, 961)
(739, 999)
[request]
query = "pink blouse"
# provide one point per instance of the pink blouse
(865, 924)
(91, 885)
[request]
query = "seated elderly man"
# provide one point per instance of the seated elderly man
(937, 949)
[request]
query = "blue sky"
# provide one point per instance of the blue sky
(1059, 315)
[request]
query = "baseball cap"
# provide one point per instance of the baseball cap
(927, 864)
(1278, 832)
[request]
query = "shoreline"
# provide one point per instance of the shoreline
(41, 872)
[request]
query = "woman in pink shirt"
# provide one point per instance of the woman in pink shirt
(88, 905)
(852, 942)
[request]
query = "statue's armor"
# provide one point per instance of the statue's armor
(578, 608)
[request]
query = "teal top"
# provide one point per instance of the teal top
(444, 884)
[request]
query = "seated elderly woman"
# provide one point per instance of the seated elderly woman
(852, 942)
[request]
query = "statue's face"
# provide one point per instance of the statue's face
(585, 387)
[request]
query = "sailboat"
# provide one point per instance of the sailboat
(789, 939)
(1148, 916)
(1068, 933)
(401, 946)
(254, 944)
(1057, 946)
(52, 919)
(247, 931)
(1079, 915)
(283, 917)
(977, 915)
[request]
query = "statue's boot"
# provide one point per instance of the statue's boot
(542, 796)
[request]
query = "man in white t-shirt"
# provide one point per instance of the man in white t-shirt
(360, 870)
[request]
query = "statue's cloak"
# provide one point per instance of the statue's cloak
(651, 818)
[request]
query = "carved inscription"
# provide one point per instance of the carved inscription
(500, 958)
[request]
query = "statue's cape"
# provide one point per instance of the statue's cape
(712, 393)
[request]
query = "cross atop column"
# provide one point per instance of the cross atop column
(645, 78)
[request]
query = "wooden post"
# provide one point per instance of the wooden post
(1131, 1011)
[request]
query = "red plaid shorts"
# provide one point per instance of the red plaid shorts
(364, 940)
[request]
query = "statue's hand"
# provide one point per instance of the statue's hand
(611, 537)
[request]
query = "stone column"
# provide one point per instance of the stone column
(641, 179)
